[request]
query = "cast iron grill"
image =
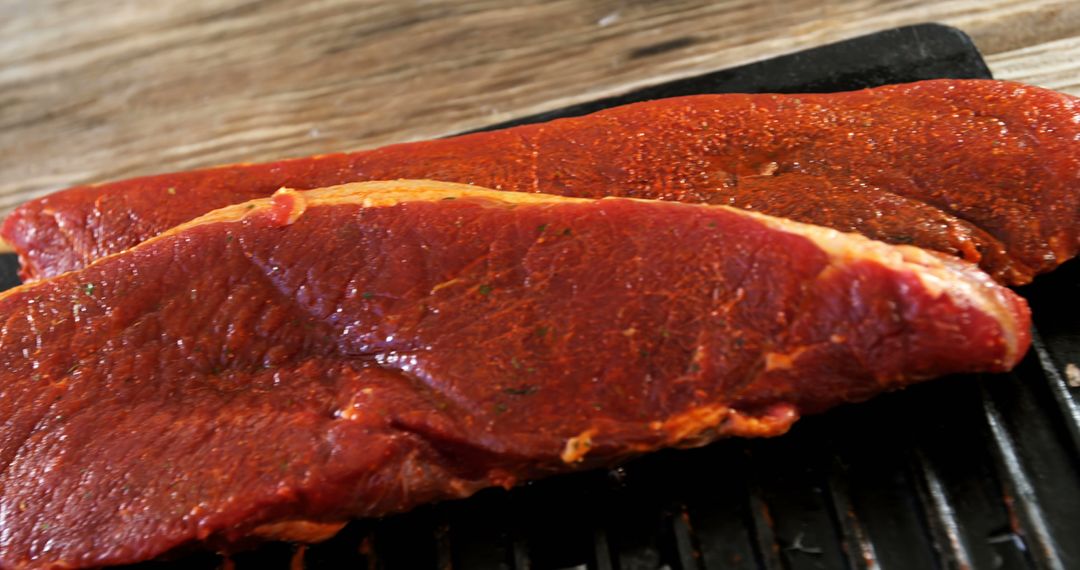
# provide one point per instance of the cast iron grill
(966, 472)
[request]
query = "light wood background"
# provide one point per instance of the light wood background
(92, 90)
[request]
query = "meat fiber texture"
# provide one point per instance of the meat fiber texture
(987, 171)
(275, 368)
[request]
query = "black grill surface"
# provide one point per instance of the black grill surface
(965, 472)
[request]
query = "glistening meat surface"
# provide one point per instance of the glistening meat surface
(988, 171)
(276, 368)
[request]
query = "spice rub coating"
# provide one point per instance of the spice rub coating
(277, 367)
(987, 171)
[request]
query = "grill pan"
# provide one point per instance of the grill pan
(975, 472)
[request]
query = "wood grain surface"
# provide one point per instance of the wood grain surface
(92, 90)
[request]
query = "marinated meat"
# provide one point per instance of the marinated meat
(984, 170)
(275, 368)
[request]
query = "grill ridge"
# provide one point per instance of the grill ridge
(1030, 516)
(1068, 408)
(951, 545)
(857, 546)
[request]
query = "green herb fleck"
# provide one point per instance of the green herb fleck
(665, 333)
(449, 197)
(643, 353)
(712, 225)
(88, 288)
(524, 390)
(228, 238)
(695, 367)
(541, 331)
(44, 526)
(250, 207)
(540, 229)
(500, 408)
(367, 294)
(484, 289)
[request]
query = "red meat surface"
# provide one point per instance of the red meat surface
(276, 368)
(984, 170)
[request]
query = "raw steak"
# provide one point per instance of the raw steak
(984, 170)
(275, 368)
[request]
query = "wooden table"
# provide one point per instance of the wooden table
(92, 90)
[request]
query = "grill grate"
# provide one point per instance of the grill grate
(967, 472)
